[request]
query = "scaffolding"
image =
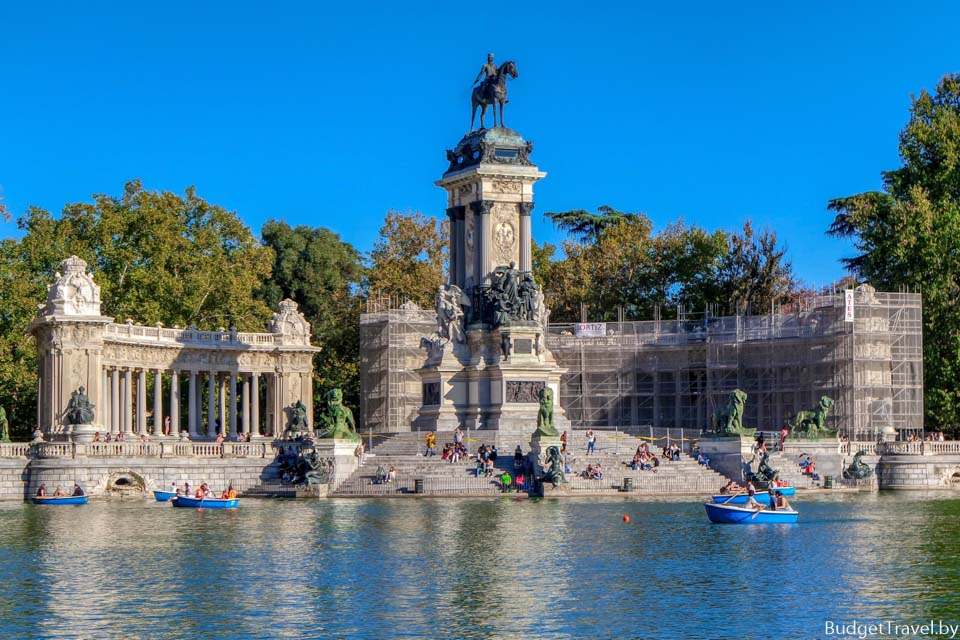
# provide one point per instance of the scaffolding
(674, 374)
(391, 352)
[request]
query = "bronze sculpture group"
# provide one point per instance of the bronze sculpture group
(79, 409)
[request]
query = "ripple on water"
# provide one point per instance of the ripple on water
(486, 568)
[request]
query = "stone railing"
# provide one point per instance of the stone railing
(107, 449)
(161, 449)
(15, 450)
(929, 448)
(140, 333)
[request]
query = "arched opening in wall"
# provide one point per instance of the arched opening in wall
(125, 482)
(955, 479)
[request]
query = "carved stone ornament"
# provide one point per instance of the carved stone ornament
(290, 323)
(504, 233)
(73, 292)
(506, 186)
(527, 391)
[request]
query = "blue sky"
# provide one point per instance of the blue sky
(331, 115)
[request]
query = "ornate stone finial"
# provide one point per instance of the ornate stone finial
(73, 291)
(290, 323)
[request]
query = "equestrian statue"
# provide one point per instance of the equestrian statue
(492, 89)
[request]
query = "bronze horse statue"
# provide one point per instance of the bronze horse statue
(493, 91)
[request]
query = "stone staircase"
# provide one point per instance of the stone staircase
(790, 471)
(614, 451)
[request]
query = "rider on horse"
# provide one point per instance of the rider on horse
(488, 73)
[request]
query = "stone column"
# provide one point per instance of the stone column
(526, 208)
(157, 402)
(105, 416)
(127, 401)
(142, 402)
(482, 238)
(175, 403)
(255, 405)
(192, 408)
(222, 385)
(211, 404)
(456, 245)
(115, 401)
(245, 425)
(233, 405)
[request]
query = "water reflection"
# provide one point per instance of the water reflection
(503, 567)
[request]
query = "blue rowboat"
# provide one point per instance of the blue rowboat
(60, 500)
(763, 497)
(163, 496)
(205, 503)
(732, 514)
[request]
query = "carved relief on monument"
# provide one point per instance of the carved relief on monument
(524, 390)
(506, 186)
(469, 229)
(504, 232)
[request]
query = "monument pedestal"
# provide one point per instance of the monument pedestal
(342, 453)
(83, 432)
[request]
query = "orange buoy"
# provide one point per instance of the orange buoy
(626, 518)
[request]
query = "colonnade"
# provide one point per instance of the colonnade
(234, 403)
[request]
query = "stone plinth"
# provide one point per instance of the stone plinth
(83, 432)
(342, 453)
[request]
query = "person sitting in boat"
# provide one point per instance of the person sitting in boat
(58, 492)
(42, 491)
(751, 495)
(229, 494)
(782, 501)
(173, 488)
(186, 489)
(77, 491)
(773, 499)
(728, 488)
(202, 491)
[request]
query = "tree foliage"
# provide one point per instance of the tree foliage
(321, 273)
(586, 226)
(408, 258)
(754, 274)
(909, 235)
(157, 256)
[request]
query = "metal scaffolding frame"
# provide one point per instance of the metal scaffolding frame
(673, 374)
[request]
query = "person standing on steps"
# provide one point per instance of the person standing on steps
(591, 441)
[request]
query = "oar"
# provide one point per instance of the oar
(733, 496)
(756, 512)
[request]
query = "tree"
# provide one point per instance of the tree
(754, 274)
(626, 265)
(157, 256)
(586, 226)
(321, 273)
(408, 259)
(909, 235)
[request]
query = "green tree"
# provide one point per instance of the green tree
(754, 274)
(321, 273)
(157, 256)
(408, 260)
(586, 226)
(909, 235)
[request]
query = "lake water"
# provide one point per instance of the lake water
(474, 568)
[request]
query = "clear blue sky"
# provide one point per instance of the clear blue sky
(332, 113)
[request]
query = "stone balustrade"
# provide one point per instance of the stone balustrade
(164, 335)
(50, 450)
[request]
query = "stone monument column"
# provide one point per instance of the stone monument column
(245, 404)
(526, 208)
(127, 402)
(222, 391)
(255, 405)
(142, 402)
(211, 404)
(175, 403)
(115, 401)
(157, 403)
(232, 382)
(192, 411)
